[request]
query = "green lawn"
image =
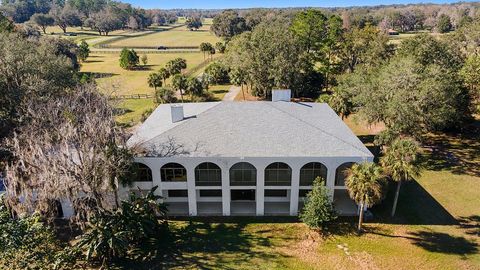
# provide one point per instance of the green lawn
(180, 36)
(107, 68)
(437, 225)
(132, 110)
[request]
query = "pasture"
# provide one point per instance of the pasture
(105, 66)
(176, 37)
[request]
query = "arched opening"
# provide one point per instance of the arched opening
(243, 174)
(142, 173)
(278, 174)
(310, 171)
(173, 172)
(208, 174)
(341, 173)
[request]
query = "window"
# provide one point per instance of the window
(341, 173)
(243, 174)
(178, 193)
(173, 172)
(303, 192)
(211, 193)
(275, 193)
(243, 195)
(208, 174)
(142, 173)
(310, 171)
(278, 174)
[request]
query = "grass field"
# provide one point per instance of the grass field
(107, 68)
(437, 225)
(180, 36)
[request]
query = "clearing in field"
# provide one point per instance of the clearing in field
(176, 37)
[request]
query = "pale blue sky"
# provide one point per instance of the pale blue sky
(212, 4)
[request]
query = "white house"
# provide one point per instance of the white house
(245, 158)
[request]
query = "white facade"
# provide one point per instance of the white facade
(224, 205)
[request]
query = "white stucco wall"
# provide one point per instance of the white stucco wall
(260, 163)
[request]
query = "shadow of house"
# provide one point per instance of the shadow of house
(444, 243)
(415, 206)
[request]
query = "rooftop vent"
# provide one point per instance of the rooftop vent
(281, 95)
(177, 113)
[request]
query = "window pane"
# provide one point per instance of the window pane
(275, 193)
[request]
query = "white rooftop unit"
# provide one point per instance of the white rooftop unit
(281, 95)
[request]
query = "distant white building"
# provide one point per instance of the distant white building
(245, 158)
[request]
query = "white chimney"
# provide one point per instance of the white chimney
(281, 95)
(177, 113)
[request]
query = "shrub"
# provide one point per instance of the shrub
(165, 95)
(136, 229)
(318, 212)
(217, 73)
(83, 51)
(129, 59)
(26, 243)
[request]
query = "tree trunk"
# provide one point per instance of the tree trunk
(44, 29)
(181, 95)
(243, 92)
(360, 218)
(395, 201)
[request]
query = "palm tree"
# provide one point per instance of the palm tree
(364, 185)
(154, 80)
(164, 74)
(401, 163)
(179, 83)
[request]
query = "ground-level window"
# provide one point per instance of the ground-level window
(211, 193)
(310, 171)
(276, 193)
(142, 173)
(243, 195)
(341, 173)
(178, 193)
(278, 174)
(243, 174)
(173, 172)
(208, 174)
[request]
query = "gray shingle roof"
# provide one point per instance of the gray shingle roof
(252, 129)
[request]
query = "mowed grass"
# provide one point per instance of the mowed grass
(131, 110)
(175, 37)
(107, 68)
(437, 225)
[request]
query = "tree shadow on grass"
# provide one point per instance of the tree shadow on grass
(205, 245)
(444, 243)
(368, 140)
(456, 152)
(471, 224)
(415, 206)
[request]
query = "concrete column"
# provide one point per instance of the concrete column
(226, 190)
(192, 193)
(260, 192)
(331, 168)
(294, 190)
(157, 181)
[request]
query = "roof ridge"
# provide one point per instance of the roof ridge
(319, 129)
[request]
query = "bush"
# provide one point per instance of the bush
(164, 95)
(129, 59)
(217, 73)
(318, 212)
(137, 229)
(26, 243)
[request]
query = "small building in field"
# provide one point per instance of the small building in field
(245, 158)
